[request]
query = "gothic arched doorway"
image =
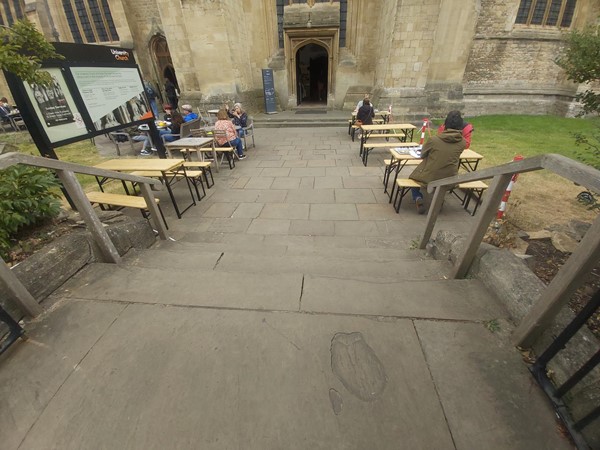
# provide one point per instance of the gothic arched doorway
(163, 63)
(312, 69)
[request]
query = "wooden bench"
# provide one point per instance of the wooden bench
(194, 176)
(206, 168)
(472, 189)
(388, 167)
(123, 201)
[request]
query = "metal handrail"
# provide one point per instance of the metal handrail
(568, 278)
(66, 172)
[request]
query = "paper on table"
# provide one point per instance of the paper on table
(415, 152)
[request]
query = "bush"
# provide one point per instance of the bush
(27, 196)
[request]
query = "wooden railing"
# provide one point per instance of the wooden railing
(569, 277)
(66, 172)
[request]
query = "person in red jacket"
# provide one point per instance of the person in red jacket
(467, 131)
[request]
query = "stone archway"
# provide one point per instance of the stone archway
(311, 74)
(297, 39)
(163, 64)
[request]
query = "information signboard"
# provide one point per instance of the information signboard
(94, 89)
(269, 91)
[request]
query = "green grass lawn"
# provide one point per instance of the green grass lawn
(500, 138)
(82, 152)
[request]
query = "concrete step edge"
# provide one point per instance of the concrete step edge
(362, 253)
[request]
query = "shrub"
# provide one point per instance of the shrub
(27, 196)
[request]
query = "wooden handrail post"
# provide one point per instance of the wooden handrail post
(20, 294)
(490, 207)
(154, 212)
(95, 227)
(432, 215)
(563, 285)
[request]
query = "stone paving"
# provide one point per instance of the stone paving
(292, 311)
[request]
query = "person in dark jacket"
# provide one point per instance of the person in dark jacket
(171, 92)
(441, 155)
(365, 113)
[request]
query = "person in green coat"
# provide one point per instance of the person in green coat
(441, 155)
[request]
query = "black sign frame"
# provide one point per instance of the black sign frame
(79, 56)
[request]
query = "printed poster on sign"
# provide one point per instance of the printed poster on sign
(113, 96)
(55, 107)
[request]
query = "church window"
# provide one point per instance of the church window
(90, 21)
(549, 13)
(11, 11)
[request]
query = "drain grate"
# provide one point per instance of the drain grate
(311, 111)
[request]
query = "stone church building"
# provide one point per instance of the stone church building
(421, 56)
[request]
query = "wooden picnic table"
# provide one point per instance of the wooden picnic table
(468, 159)
(399, 132)
(167, 168)
(193, 144)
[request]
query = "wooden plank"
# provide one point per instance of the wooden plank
(127, 201)
(558, 292)
(87, 213)
(490, 208)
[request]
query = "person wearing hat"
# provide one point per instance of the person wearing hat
(187, 113)
(467, 131)
(441, 155)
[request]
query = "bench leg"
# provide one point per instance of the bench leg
(208, 171)
(146, 216)
(400, 194)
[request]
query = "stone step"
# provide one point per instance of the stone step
(399, 241)
(196, 287)
(301, 123)
(383, 269)
(291, 249)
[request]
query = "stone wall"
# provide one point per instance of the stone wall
(422, 57)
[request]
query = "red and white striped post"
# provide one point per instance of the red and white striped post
(509, 188)
(423, 128)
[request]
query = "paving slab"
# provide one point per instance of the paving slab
(383, 270)
(411, 297)
(33, 371)
(190, 287)
(246, 380)
(488, 395)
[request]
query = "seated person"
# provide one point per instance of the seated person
(238, 117)
(168, 134)
(360, 103)
(441, 155)
(187, 113)
(467, 131)
(365, 113)
(168, 112)
(5, 110)
(224, 124)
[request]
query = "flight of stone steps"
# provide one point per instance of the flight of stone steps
(259, 276)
